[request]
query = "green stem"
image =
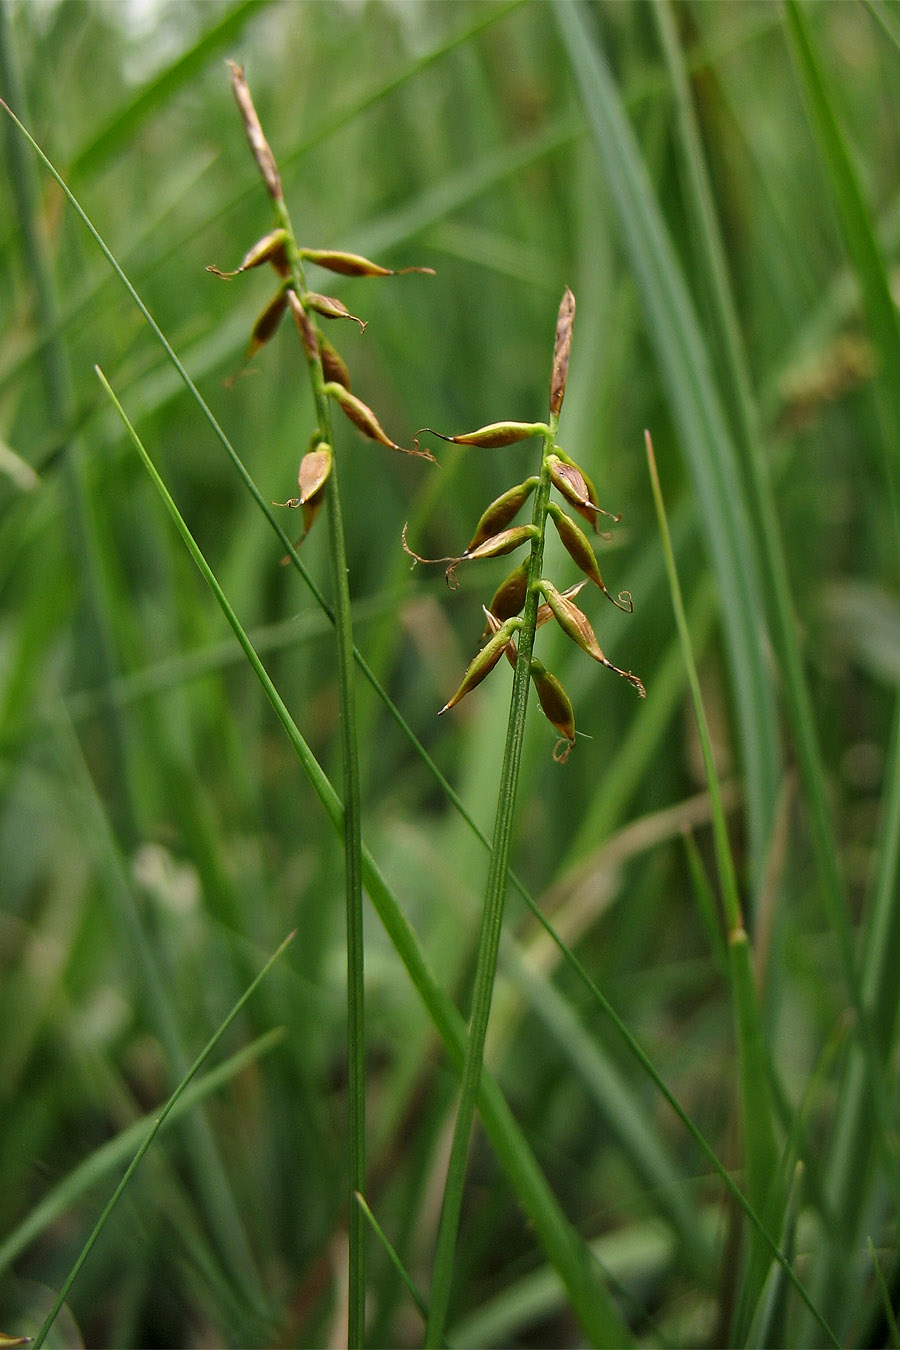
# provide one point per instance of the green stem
(352, 829)
(492, 919)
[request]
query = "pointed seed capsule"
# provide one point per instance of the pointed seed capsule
(576, 543)
(501, 512)
(493, 626)
(315, 466)
(563, 346)
(494, 434)
(267, 323)
(353, 265)
(483, 663)
(509, 597)
(504, 542)
(259, 146)
(362, 416)
(545, 613)
(330, 308)
(333, 367)
(554, 700)
(576, 625)
(272, 248)
(574, 485)
(305, 326)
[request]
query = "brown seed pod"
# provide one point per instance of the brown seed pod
(315, 466)
(267, 323)
(330, 308)
(305, 326)
(493, 625)
(554, 700)
(353, 265)
(509, 597)
(576, 543)
(259, 146)
(493, 435)
(504, 542)
(333, 367)
(576, 487)
(484, 662)
(545, 613)
(576, 625)
(272, 248)
(362, 416)
(501, 512)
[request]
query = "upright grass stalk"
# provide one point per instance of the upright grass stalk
(318, 481)
(525, 590)
(760, 1146)
(157, 1125)
(564, 1246)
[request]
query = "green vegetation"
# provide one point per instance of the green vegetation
(687, 1114)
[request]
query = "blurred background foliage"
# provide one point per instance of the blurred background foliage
(156, 838)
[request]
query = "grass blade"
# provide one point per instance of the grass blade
(157, 1125)
(674, 331)
(565, 1248)
(758, 1133)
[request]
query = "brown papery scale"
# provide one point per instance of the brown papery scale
(315, 466)
(353, 265)
(259, 146)
(562, 348)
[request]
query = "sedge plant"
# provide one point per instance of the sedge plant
(525, 600)
(318, 483)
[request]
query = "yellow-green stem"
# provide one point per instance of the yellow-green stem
(356, 1181)
(491, 922)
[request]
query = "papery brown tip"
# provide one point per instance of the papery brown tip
(563, 346)
(259, 146)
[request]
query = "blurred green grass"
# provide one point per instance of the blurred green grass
(156, 842)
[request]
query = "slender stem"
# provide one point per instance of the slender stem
(492, 919)
(352, 828)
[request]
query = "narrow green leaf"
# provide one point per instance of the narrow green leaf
(565, 1248)
(674, 332)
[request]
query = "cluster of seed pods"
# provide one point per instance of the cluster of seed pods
(279, 250)
(496, 535)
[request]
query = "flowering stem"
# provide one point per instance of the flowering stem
(356, 1180)
(492, 916)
